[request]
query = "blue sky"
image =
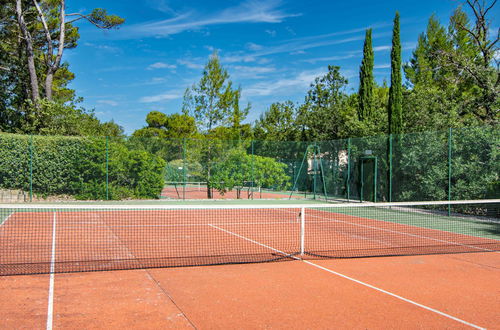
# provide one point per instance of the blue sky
(274, 49)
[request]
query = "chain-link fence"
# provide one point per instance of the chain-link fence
(455, 164)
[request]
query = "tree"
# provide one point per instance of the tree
(326, 113)
(238, 130)
(210, 101)
(448, 83)
(395, 107)
(474, 56)
(278, 123)
(214, 103)
(50, 21)
(174, 126)
(237, 169)
(366, 81)
(430, 102)
(53, 118)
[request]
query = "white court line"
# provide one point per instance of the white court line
(5, 220)
(394, 295)
(359, 282)
(412, 235)
(251, 240)
(50, 304)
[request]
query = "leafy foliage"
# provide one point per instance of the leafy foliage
(77, 166)
(395, 110)
(237, 169)
(366, 80)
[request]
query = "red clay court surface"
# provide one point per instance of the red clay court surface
(194, 193)
(418, 292)
(440, 291)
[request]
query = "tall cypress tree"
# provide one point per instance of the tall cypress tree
(395, 110)
(366, 81)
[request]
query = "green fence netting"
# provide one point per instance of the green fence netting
(454, 164)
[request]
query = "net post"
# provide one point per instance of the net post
(302, 230)
(31, 167)
(450, 132)
(107, 168)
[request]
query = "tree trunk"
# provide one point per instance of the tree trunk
(209, 188)
(48, 85)
(53, 64)
(35, 93)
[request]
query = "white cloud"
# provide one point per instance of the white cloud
(157, 80)
(272, 33)
(382, 66)
(108, 102)
(291, 31)
(160, 5)
(253, 46)
(334, 58)
(159, 97)
(103, 47)
(190, 64)
(298, 45)
(381, 48)
(250, 72)
(298, 83)
(249, 11)
(161, 65)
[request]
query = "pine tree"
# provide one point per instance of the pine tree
(366, 81)
(395, 109)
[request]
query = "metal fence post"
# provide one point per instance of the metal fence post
(253, 174)
(31, 167)
(390, 167)
(450, 132)
(184, 168)
(348, 169)
(107, 168)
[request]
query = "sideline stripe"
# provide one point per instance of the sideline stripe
(410, 234)
(394, 295)
(4, 221)
(50, 308)
(358, 281)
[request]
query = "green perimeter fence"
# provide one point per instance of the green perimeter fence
(456, 164)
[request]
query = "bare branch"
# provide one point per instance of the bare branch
(48, 58)
(62, 34)
(89, 19)
(488, 9)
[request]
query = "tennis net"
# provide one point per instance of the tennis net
(72, 238)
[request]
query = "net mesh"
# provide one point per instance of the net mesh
(73, 238)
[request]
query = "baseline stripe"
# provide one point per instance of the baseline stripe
(358, 281)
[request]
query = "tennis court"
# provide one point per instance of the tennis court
(199, 191)
(149, 247)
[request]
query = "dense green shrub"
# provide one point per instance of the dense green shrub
(77, 167)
